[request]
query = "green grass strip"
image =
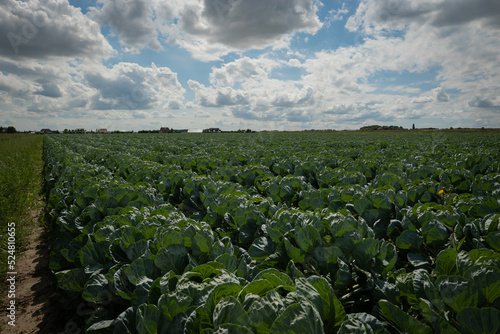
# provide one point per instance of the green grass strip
(21, 195)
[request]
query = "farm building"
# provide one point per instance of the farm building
(212, 130)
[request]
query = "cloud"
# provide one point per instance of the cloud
(244, 113)
(240, 70)
(437, 94)
(138, 114)
(131, 20)
(423, 99)
(73, 89)
(229, 97)
(247, 24)
(397, 14)
(48, 89)
(208, 29)
(131, 86)
(457, 40)
(174, 104)
(487, 12)
(40, 29)
(480, 102)
(341, 109)
(336, 14)
(441, 95)
(202, 114)
(12, 87)
(260, 97)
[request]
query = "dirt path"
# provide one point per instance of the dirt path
(32, 286)
(35, 310)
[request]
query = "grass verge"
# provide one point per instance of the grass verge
(21, 195)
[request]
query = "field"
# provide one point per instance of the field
(277, 233)
(21, 167)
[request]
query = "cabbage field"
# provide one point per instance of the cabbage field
(343, 232)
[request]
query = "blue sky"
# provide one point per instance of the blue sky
(238, 64)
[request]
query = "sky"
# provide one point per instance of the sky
(249, 64)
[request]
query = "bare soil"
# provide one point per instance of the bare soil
(36, 309)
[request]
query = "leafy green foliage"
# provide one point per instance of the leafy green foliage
(278, 233)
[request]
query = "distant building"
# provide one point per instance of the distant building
(45, 131)
(212, 130)
(102, 130)
(165, 130)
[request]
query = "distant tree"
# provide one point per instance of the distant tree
(11, 129)
(413, 126)
(378, 127)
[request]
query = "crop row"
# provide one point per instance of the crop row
(276, 233)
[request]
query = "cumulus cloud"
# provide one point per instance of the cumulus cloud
(480, 102)
(131, 86)
(441, 95)
(48, 89)
(487, 12)
(261, 97)
(131, 20)
(208, 29)
(48, 28)
(174, 104)
(240, 70)
(201, 114)
(77, 89)
(457, 40)
(341, 109)
(422, 99)
(246, 24)
(436, 95)
(397, 14)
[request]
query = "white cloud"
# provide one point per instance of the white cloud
(240, 70)
(481, 102)
(202, 114)
(441, 95)
(131, 86)
(81, 90)
(48, 89)
(49, 28)
(131, 20)
(208, 29)
(247, 24)
(423, 99)
(336, 14)
(260, 97)
(174, 104)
